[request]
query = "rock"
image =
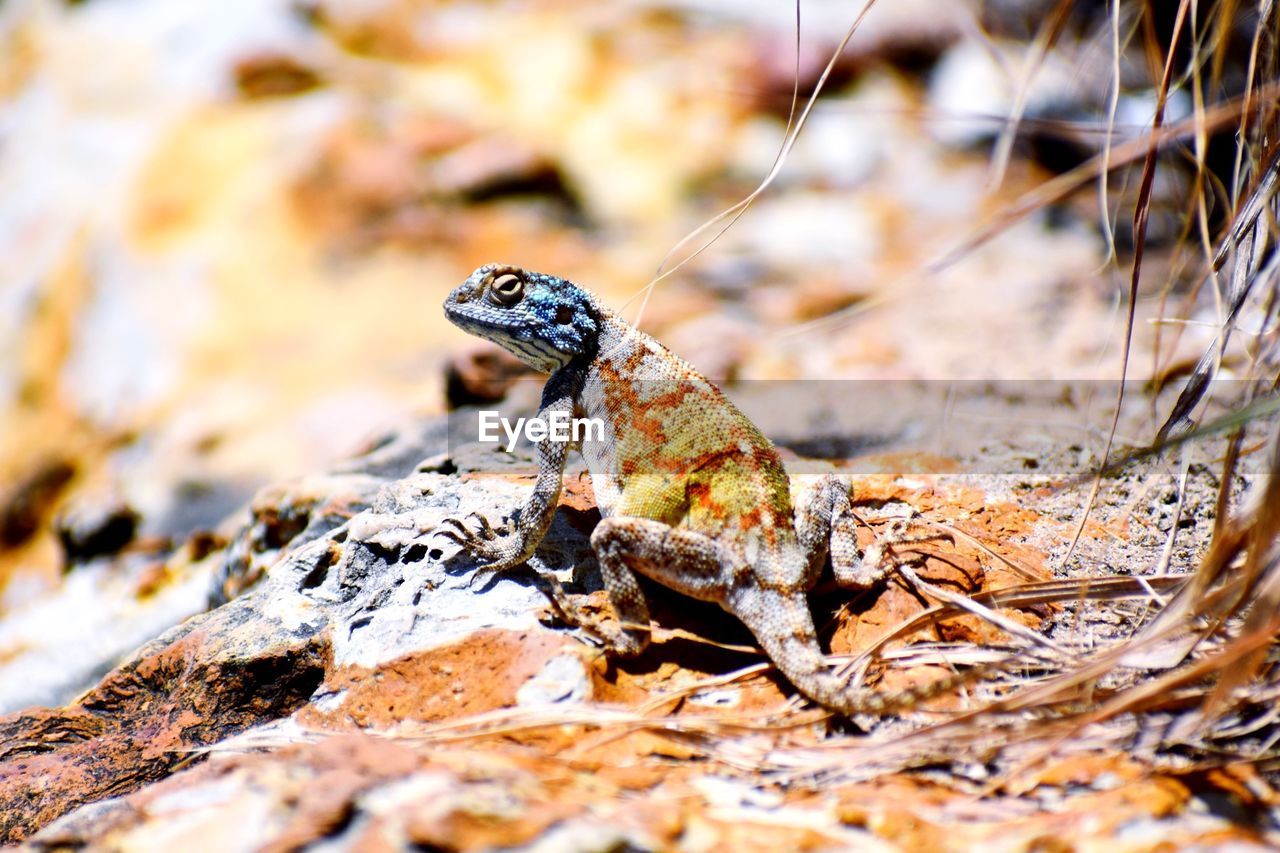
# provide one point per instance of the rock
(209, 678)
(96, 527)
(405, 181)
(273, 75)
(109, 607)
(350, 558)
(562, 679)
(58, 645)
(24, 507)
(370, 689)
(359, 791)
(481, 374)
(284, 516)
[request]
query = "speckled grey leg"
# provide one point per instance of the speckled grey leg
(494, 551)
(682, 560)
(827, 524)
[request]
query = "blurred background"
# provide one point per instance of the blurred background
(226, 228)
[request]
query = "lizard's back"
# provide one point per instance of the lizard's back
(675, 449)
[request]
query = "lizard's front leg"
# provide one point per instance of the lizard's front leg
(498, 551)
(827, 524)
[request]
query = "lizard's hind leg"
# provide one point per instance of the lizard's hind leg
(683, 560)
(827, 524)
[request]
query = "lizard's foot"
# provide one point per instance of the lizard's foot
(492, 549)
(882, 556)
(827, 525)
(852, 567)
(615, 640)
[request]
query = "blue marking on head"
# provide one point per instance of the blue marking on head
(543, 320)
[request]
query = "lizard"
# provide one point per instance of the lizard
(691, 493)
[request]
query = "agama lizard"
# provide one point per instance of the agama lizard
(692, 494)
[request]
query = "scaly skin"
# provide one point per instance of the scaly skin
(691, 493)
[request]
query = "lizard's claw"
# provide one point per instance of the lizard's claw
(462, 532)
(490, 549)
(457, 535)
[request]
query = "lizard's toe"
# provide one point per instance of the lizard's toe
(482, 571)
(486, 531)
(442, 527)
(461, 537)
(457, 530)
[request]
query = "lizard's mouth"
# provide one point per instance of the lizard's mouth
(506, 335)
(488, 327)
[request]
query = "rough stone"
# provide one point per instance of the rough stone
(351, 576)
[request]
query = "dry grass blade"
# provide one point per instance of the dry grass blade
(1060, 187)
(1252, 210)
(1259, 408)
(1056, 190)
(1261, 571)
(1024, 596)
(1246, 242)
(1044, 42)
(968, 605)
(1141, 216)
(727, 218)
(1022, 571)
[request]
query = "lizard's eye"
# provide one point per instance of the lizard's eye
(507, 289)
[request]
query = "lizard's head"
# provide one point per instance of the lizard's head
(542, 320)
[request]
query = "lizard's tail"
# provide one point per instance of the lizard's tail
(784, 628)
(857, 700)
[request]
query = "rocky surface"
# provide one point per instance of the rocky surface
(223, 244)
(360, 684)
